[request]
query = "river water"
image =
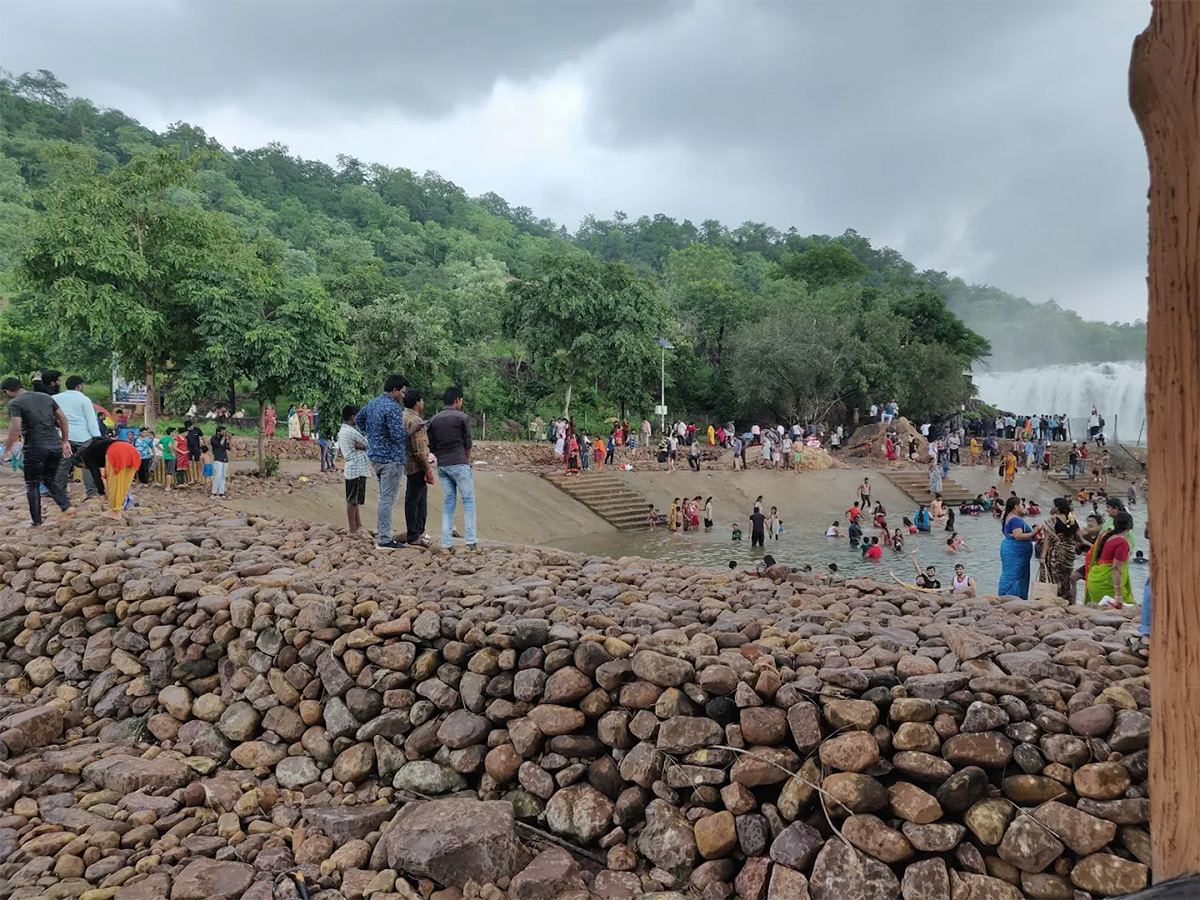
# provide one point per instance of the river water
(715, 550)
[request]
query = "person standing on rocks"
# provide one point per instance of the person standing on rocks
(45, 437)
(85, 427)
(418, 473)
(220, 451)
(382, 421)
(450, 443)
(353, 446)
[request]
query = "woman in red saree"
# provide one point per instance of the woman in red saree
(889, 448)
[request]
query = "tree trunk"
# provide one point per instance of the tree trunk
(262, 437)
(1164, 93)
(622, 420)
(232, 397)
(150, 411)
(567, 404)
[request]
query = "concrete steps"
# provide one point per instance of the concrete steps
(608, 496)
(916, 486)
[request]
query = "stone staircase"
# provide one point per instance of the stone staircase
(608, 496)
(915, 483)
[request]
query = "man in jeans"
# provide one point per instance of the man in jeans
(382, 421)
(450, 442)
(45, 435)
(418, 473)
(81, 417)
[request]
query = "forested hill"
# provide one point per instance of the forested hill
(297, 279)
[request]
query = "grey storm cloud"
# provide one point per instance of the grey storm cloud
(416, 55)
(990, 139)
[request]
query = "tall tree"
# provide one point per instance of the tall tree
(117, 260)
(278, 334)
(580, 318)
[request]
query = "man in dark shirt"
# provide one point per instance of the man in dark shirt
(44, 433)
(220, 451)
(195, 445)
(927, 579)
(450, 443)
(757, 520)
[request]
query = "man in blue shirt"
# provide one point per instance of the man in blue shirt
(382, 421)
(85, 428)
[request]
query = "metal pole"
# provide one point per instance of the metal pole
(662, 397)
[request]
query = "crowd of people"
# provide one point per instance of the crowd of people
(389, 440)
(54, 430)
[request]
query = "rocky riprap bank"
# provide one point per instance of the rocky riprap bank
(195, 702)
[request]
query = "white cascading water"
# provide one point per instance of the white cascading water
(1116, 389)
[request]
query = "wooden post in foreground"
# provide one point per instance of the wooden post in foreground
(1164, 93)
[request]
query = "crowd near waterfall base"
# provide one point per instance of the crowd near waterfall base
(363, 539)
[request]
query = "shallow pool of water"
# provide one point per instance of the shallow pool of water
(715, 549)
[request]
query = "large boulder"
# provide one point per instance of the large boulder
(455, 841)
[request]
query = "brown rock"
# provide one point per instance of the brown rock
(1029, 845)
(988, 820)
(912, 804)
(787, 884)
(853, 793)
(918, 736)
(1081, 832)
(1102, 781)
(566, 686)
(926, 880)
(683, 734)
(552, 873)
(853, 752)
(662, 670)
(553, 720)
(804, 721)
(454, 841)
(988, 749)
(1030, 790)
(840, 873)
(869, 834)
(797, 846)
(857, 715)
(1092, 721)
(751, 882)
(1105, 874)
(764, 765)
(203, 879)
(939, 837)
(716, 835)
(580, 811)
(763, 725)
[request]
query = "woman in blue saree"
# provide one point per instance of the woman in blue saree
(1016, 550)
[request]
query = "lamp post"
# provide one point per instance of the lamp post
(664, 345)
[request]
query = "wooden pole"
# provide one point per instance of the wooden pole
(1164, 94)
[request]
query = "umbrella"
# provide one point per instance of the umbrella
(108, 419)
(612, 419)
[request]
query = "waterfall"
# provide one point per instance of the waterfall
(1116, 389)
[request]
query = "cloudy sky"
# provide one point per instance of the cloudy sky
(989, 139)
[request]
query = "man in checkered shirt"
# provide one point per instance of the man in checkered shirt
(353, 447)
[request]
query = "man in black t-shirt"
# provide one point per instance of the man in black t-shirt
(927, 579)
(44, 434)
(757, 532)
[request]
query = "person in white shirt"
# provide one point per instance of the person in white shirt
(83, 427)
(925, 430)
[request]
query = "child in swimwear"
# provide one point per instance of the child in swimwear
(737, 532)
